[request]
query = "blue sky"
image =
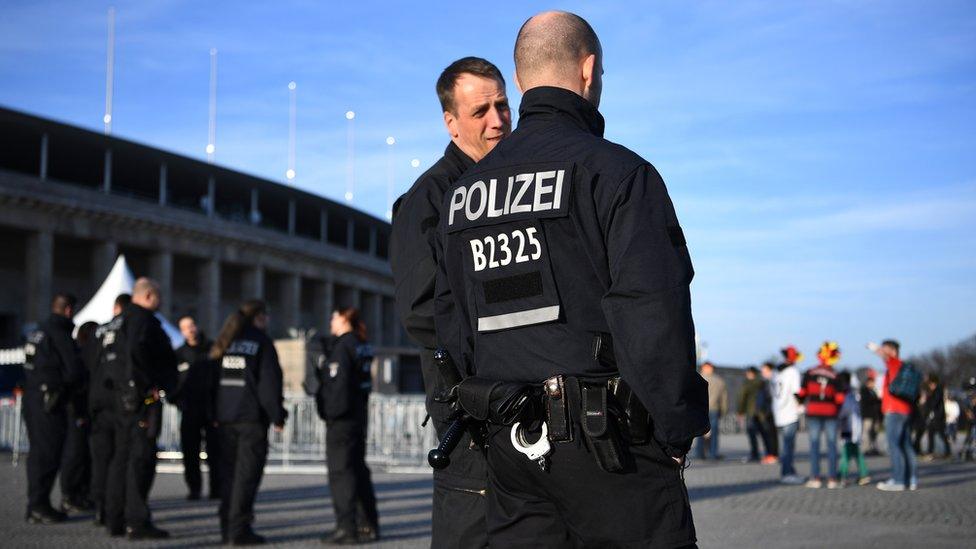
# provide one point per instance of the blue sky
(821, 155)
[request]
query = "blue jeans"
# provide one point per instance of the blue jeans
(713, 418)
(786, 451)
(904, 469)
(828, 426)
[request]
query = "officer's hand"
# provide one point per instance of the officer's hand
(679, 460)
(279, 427)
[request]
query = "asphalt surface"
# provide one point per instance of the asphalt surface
(735, 504)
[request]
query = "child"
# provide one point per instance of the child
(850, 431)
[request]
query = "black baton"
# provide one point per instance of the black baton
(440, 457)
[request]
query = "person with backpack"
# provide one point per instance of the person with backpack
(899, 391)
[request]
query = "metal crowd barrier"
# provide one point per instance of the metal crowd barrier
(394, 437)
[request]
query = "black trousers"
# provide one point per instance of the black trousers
(103, 426)
(46, 433)
(76, 459)
(244, 451)
(460, 500)
(194, 428)
(350, 482)
(132, 469)
(577, 504)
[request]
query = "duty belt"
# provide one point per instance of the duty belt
(610, 416)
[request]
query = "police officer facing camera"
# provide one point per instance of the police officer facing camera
(194, 396)
(107, 369)
(566, 277)
(52, 366)
(345, 381)
(249, 400)
(477, 116)
(148, 370)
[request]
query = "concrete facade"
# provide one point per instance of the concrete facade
(71, 200)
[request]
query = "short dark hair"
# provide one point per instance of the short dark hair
(562, 40)
(752, 370)
(62, 301)
(123, 300)
(893, 344)
(466, 65)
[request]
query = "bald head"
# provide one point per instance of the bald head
(558, 48)
(145, 293)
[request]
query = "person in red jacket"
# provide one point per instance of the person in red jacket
(904, 468)
(822, 397)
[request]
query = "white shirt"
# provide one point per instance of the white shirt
(952, 411)
(785, 385)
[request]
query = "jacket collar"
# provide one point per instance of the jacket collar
(458, 158)
(563, 104)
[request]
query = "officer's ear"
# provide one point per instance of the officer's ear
(588, 66)
(518, 84)
(450, 121)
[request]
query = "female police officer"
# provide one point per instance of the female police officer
(248, 400)
(342, 401)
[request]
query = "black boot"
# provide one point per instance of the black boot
(342, 536)
(146, 531)
(248, 538)
(368, 534)
(45, 515)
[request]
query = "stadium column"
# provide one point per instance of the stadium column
(323, 226)
(324, 304)
(103, 258)
(291, 296)
(372, 311)
(163, 185)
(253, 283)
(44, 155)
(210, 295)
(107, 172)
(161, 269)
(40, 274)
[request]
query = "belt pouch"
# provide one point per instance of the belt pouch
(557, 412)
(635, 422)
(601, 433)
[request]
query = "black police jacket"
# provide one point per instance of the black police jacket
(196, 380)
(249, 390)
(149, 356)
(107, 366)
(52, 359)
(345, 378)
(413, 260)
(559, 239)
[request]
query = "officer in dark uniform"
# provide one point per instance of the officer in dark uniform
(566, 271)
(149, 366)
(472, 95)
(76, 459)
(345, 381)
(52, 366)
(249, 400)
(195, 393)
(106, 361)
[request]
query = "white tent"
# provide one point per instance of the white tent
(118, 281)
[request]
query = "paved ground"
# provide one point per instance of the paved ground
(735, 505)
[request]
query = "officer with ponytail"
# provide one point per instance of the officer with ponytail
(345, 382)
(249, 401)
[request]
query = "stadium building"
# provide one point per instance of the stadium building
(72, 200)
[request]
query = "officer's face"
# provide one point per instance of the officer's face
(188, 327)
(481, 116)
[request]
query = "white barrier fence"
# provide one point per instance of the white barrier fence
(395, 437)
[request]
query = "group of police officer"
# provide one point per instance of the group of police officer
(550, 266)
(123, 371)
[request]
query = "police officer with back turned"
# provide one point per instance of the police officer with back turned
(149, 369)
(566, 270)
(107, 369)
(249, 400)
(477, 116)
(52, 366)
